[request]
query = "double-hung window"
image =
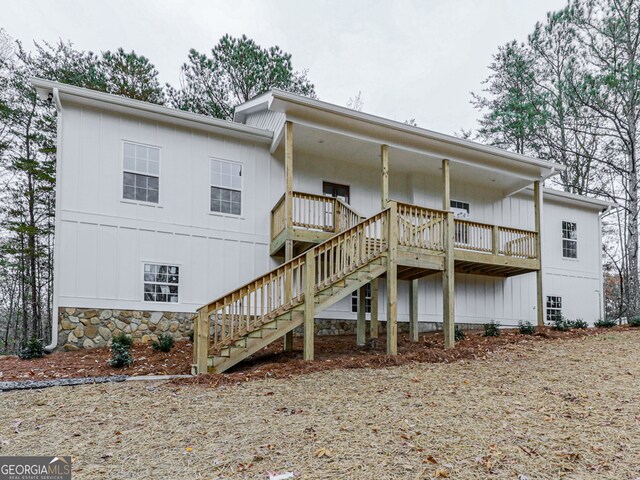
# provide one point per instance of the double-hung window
(569, 240)
(161, 283)
(226, 187)
(141, 173)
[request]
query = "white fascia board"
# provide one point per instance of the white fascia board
(150, 110)
(574, 199)
(282, 100)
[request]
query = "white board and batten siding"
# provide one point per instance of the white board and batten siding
(104, 240)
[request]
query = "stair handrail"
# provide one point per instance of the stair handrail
(282, 288)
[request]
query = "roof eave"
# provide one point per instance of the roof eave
(161, 112)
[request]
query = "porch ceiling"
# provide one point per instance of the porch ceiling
(321, 143)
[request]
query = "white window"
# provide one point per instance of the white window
(141, 173)
(161, 283)
(226, 187)
(367, 299)
(460, 210)
(569, 240)
(554, 308)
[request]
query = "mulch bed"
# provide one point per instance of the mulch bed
(331, 352)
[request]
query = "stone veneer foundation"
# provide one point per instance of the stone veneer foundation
(90, 327)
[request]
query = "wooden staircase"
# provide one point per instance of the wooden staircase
(236, 326)
(420, 240)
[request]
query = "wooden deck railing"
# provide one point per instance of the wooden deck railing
(421, 227)
(425, 228)
(314, 212)
(517, 243)
(487, 238)
(259, 301)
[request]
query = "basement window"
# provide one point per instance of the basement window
(226, 187)
(141, 173)
(554, 308)
(161, 283)
(367, 299)
(569, 240)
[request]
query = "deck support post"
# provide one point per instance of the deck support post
(384, 156)
(413, 311)
(537, 194)
(201, 339)
(448, 275)
(373, 325)
(309, 304)
(288, 213)
(361, 322)
(392, 280)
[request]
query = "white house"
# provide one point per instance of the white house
(160, 213)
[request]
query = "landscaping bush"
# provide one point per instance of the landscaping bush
(164, 343)
(526, 328)
(634, 322)
(121, 351)
(605, 323)
(580, 324)
(33, 349)
(191, 336)
(561, 324)
(459, 334)
(491, 329)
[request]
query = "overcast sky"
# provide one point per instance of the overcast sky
(411, 59)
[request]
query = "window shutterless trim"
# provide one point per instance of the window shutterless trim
(123, 170)
(240, 190)
(570, 241)
(143, 263)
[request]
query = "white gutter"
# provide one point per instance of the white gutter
(166, 113)
(56, 249)
(403, 128)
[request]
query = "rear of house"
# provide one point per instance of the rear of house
(160, 211)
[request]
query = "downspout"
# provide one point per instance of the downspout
(56, 249)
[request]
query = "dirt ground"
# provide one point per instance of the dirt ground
(331, 352)
(530, 410)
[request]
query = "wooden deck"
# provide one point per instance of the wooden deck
(479, 248)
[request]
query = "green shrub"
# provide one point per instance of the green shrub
(580, 324)
(191, 336)
(121, 351)
(561, 324)
(164, 343)
(605, 323)
(491, 329)
(32, 349)
(526, 328)
(123, 339)
(634, 322)
(459, 334)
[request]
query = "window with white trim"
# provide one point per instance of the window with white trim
(367, 299)
(554, 308)
(460, 210)
(161, 283)
(141, 173)
(569, 240)
(226, 187)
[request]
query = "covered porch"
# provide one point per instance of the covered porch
(430, 241)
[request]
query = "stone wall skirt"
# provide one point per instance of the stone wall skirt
(87, 327)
